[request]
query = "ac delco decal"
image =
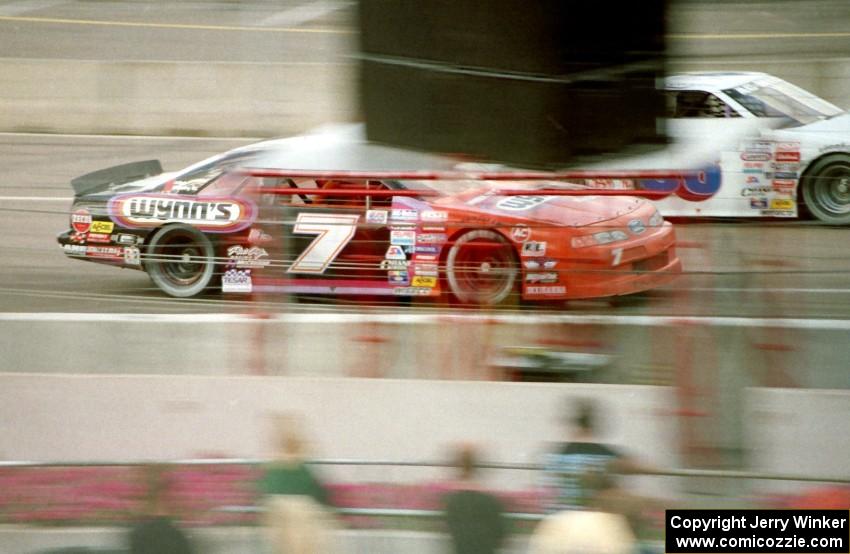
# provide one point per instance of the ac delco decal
(214, 215)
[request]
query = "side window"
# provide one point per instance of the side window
(349, 200)
(698, 104)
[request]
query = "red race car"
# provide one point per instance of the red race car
(246, 222)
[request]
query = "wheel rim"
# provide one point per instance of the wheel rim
(831, 190)
(481, 268)
(181, 261)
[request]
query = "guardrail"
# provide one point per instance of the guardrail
(692, 473)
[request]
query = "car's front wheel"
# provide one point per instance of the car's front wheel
(826, 189)
(181, 261)
(481, 268)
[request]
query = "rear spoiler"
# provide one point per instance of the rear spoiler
(116, 175)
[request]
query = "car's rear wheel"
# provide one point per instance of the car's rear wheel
(181, 261)
(826, 189)
(481, 268)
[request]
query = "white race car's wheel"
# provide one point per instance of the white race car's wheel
(481, 268)
(826, 189)
(180, 261)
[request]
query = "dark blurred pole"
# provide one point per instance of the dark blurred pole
(532, 83)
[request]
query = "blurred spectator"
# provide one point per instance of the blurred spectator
(604, 494)
(582, 532)
(568, 462)
(475, 518)
(158, 532)
(295, 502)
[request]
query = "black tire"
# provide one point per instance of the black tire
(180, 261)
(826, 189)
(481, 268)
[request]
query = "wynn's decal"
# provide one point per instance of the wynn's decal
(213, 214)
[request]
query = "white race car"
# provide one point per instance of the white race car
(765, 145)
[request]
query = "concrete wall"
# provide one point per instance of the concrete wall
(180, 98)
(73, 418)
(250, 99)
(98, 417)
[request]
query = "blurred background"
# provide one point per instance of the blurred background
(731, 383)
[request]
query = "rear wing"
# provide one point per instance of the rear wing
(651, 184)
(116, 175)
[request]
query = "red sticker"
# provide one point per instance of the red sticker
(81, 220)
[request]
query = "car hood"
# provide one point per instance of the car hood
(834, 129)
(570, 211)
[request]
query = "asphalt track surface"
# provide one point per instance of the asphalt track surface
(776, 269)
(324, 31)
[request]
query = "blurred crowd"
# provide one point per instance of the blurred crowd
(588, 509)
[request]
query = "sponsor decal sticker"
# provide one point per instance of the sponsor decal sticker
(81, 220)
(74, 249)
(236, 280)
(423, 281)
(521, 203)
(753, 180)
(125, 238)
(784, 186)
(377, 217)
(102, 227)
(426, 269)
(434, 216)
(758, 203)
(412, 291)
(258, 236)
(424, 258)
(434, 238)
(395, 253)
(782, 204)
(99, 237)
(778, 213)
(546, 290)
(105, 252)
(427, 249)
(404, 215)
(541, 277)
(755, 191)
(403, 238)
(394, 264)
(785, 175)
(78, 237)
(214, 215)
(253, 257)
(755, 156)
(132, 255)
(787, 156)
(759, 146)
(521, 233)
(537, 264)
(786, 167)
(398, 277)
(533, 249)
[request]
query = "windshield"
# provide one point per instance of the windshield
(777, 98)
(200, 176)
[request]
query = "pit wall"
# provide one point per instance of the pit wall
(108, 417)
